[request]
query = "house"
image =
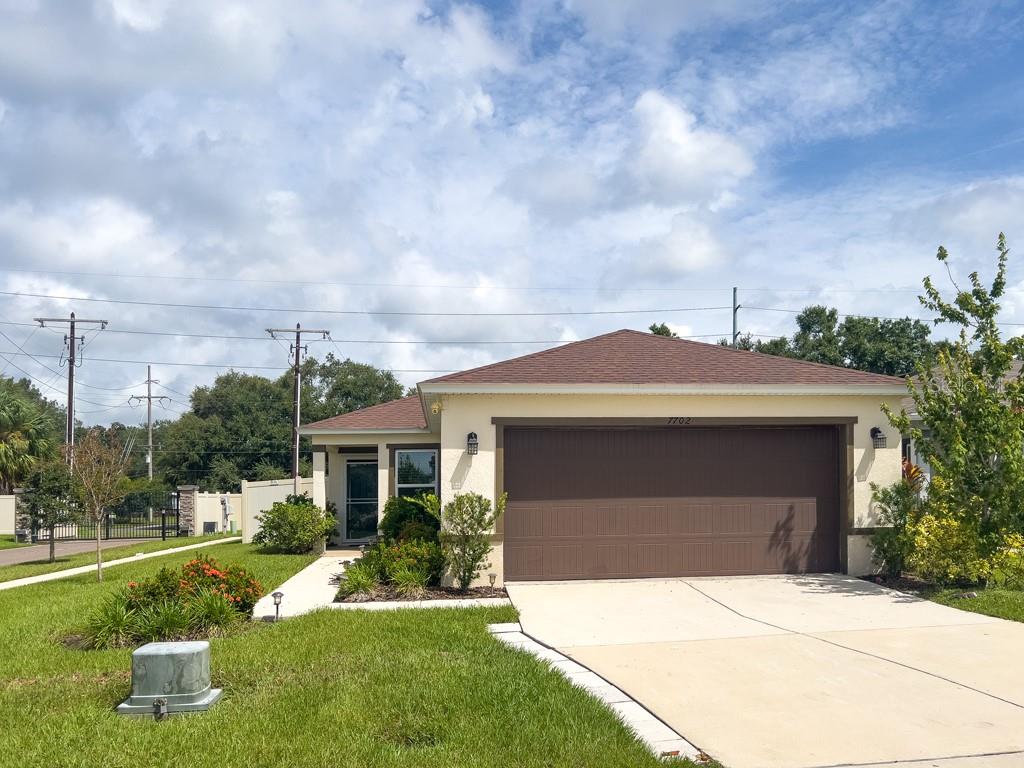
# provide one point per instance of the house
(632, 455)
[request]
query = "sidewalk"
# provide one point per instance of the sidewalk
(18, 555)
(91, 568)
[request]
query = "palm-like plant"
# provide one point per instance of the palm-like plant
(24, 439)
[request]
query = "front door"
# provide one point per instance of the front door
(361, 500)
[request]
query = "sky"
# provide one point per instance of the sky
(443, 185)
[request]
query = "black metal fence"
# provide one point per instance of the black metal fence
(140, 516)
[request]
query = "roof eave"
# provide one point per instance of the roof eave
(454, 388)
(311, 431)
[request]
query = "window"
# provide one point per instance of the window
(415, 472)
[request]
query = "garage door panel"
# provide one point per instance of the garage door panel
(590, 503)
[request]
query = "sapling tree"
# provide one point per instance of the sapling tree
(49, 498)
(98, 470)
(971, 409)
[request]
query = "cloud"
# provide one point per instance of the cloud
(661, 19)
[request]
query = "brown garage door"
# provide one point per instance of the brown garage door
(590, 503)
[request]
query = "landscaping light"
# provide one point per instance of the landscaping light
(278, 596)
(877, 437)
(492, 577)
(472, 444)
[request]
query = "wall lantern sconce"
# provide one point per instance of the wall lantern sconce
(877, 438)
(278, 596)
(472, 444)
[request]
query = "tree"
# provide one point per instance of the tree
(339, 386)
(817, 336)
(893, 347)
(971, 411)
(25, 438)
(661, 329)
(49, 498)
(99, 475)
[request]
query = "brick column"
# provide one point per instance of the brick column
(22, 522)
(188, 500)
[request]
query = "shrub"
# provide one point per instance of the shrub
(201, 599)
(358, 581)
(898, 506)
(465, 535)
(165, 620)
(384, 560)
(410, 583)
(294, 526)
(210, 612)
(1008, 562)
(417, 530)
(113, 624)
(400, 511)
(948, 550)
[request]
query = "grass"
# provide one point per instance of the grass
(415, 689)
(993, 601)
(8, 542)
(36, 567)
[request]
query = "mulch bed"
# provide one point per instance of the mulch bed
(385, 592)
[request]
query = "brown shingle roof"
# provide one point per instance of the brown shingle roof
(633, 357)
(405, 413)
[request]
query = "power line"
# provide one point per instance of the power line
(373, 312)
(438, 342)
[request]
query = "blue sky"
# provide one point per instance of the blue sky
(516, 157)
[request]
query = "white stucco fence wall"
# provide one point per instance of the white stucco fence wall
(6, 515)
(210, 509)
(259, 496)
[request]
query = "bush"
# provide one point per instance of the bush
(1008, 562)
(359, 580)
(898, 506)
(384, 560)
(113, 624)
(400, 512)
(410, 583)
(294, 526)
(466, 535)
(948, 550)
(199, 600)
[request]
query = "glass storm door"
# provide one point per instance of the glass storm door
(361, 500)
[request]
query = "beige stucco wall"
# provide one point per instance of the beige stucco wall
(466, 413)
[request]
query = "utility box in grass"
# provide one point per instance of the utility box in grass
(170, 678)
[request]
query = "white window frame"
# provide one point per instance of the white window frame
(422, 486)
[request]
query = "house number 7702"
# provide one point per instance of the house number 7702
(679, 420)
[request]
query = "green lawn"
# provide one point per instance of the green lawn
(36, 567)
(8, 542)
(1002, 603)
(334, 688)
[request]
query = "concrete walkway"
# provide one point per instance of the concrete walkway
(311, 588)
(800, 671)
(121, 561)
(18, 555)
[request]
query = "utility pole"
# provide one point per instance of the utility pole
(149, 397)
(71, 340)
(735, 312)
(297, 349)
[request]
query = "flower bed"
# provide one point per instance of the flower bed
(201, 600)
(388, 593)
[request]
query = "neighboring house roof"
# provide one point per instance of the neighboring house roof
(404, 413)
(907, 403)
(633, 357)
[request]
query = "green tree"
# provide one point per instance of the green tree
(661, 329)
(98, 470)
(817, 336)
(26, 438)
(893, 347)
(49, 497)
(339, 386)
(971, 410)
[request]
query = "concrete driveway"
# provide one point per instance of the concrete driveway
(797, 671)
